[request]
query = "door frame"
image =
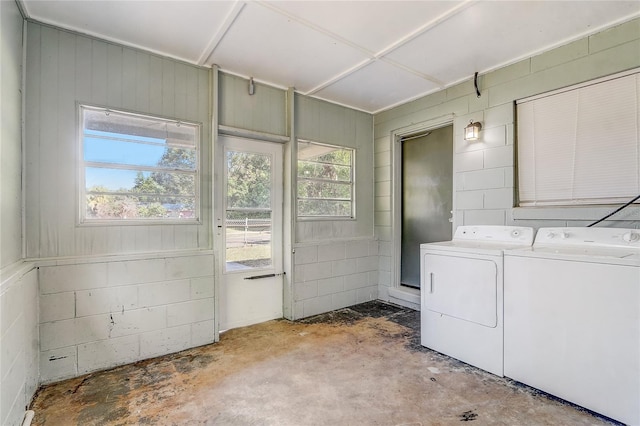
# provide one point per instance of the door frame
(217, 189)
(410, 296)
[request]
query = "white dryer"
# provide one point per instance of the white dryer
(572, 318)
(462, 293)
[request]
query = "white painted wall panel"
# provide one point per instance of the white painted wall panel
(19, 369)
(264, 111)
(11, 135)
(64, 69)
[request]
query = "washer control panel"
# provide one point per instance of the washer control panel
(498, 234)
(602, 237)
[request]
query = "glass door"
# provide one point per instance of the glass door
(251, 231)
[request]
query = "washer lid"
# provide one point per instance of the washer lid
(470, 246)
(609, 255)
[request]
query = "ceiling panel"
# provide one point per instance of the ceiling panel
(374, 25)
(270, 47)
(180, 29)
(489, 34)
(377, 86)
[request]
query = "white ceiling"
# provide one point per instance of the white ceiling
(369, 55)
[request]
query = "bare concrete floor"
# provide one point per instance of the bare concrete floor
(356, 366)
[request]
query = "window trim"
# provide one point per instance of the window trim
(352, 183)
(81, 218)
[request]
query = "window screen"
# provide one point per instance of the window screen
(325, 180)
(137, 167)
(581, 145)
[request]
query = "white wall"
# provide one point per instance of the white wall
(18, 342)
(334, 275)
(18, 280)
(99, 313)
(11, 135)
(484, 180)
(110, 294)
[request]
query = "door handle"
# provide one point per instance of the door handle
(430, 282)
(257, 277)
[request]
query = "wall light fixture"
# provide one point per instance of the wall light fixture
(472, 131)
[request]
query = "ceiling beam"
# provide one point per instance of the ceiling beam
(426, 27)
(22, 6)
(381, 54)
(233, 14)
(311, 25)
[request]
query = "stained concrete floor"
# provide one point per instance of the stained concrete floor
(357, 366)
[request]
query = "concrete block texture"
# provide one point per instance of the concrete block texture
(623, 33)
(58, 364)
(19, 354)
(483, 179)
(202, 333)
(56, 279)
(499, 157)
(105, 300)
(106, 313)
(331, 275)
(108, 353)
(328, 252)
(165, 341)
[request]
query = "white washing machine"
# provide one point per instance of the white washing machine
(461, 293)
(572, 318)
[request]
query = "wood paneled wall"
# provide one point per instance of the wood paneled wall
(64, 69)
(11, 135)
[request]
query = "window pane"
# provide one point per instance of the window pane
(315, 189)
(324, 208)
(127, 156)
(103, 122)
(98, 179)
(248, 240)
(248, 180)
(308, 169)
(122, 207)
(120, 152)
(325, 180)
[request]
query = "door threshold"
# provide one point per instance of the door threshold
(405, 294)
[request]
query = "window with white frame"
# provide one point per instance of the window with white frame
(137, 167)
(580, 145)
(325, 181)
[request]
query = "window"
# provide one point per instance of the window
(580, 145)
(137, 167)
(325, 181)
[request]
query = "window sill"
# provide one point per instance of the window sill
(586, 213)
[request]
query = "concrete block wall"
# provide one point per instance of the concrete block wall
(18, 340)
(484, 171)
(334, 275)
(99, 313)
